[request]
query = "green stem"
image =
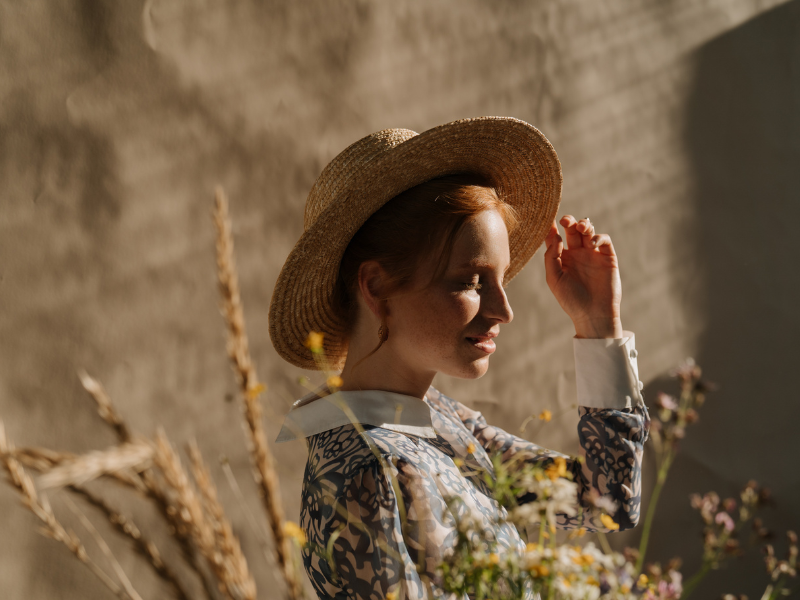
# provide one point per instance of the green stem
(695, 580)
(542, 525)
(601, 537)
(651, 510)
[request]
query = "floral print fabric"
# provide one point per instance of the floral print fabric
(377, 499)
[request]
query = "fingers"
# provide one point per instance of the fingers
(577, 232)
(581, 234)
(602, 242)
(552, 257)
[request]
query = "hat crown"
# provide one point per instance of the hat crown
(347, 166)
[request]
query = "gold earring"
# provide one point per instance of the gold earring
(383, 333)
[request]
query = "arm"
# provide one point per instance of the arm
(612, 430)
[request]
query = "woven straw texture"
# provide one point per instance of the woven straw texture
(512, 154)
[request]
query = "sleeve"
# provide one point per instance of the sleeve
(356, 544)
(612, 430)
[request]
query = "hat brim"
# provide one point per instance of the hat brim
(515, 156)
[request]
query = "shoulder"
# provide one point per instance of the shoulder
(345, 452)
(452, 408)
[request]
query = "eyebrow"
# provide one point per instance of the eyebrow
(480, 264)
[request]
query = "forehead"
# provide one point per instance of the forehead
(482, 241)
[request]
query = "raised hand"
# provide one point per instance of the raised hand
(584, 278)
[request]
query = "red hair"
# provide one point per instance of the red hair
(419, 224)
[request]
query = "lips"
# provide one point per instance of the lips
(484, 343)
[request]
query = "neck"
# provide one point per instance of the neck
(383, 370)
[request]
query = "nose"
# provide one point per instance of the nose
(496, 305)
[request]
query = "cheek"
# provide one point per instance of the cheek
(440, 321)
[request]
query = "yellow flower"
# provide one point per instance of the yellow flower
(531, 547)
(314, 341)
(255, 391)
(557, 469)
(494, 559)
(545, 415)
(583, 560)
(293, 531)
(391, 595)
(335, 382)
(609, 523)
(471, 448)
(592, 581)
(625, 588)
(458, 462)
(642, 581)
(539, 570)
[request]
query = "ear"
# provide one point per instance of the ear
(371, 278)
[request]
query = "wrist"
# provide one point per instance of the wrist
(599, 328)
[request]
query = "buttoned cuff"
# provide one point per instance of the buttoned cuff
(606, 372)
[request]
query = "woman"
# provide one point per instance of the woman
(409, 242)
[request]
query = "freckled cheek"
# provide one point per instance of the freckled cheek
(445, 321)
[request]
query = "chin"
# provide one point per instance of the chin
(473, 370)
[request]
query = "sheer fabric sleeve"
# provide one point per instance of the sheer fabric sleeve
(361, 527)
(613, 427)
(610, 465)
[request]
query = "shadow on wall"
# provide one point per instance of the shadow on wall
(743, 140)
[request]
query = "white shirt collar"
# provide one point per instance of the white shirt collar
(398, 412)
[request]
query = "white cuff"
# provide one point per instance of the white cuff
(606, 372)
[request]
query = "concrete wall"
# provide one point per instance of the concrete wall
(676, 123)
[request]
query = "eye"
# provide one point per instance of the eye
(472, 285)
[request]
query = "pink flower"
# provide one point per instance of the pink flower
(724, 518)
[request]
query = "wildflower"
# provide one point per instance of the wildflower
(494, 559)
(642, 581)
(539, 570)
(255, 391)
(609, 523)
(666, 402)
(391, 595)
(314, 341)
(471, 448)
(557, 469)
(458, 462)
(334, 382)
(625, 588)
(604, 503)
(724, 519)
(545, 416)
(293, 531)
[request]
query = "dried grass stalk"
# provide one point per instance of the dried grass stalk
(149, 484)
(106, 550)
(104, 405)
(234, 561)
(239, 352)
(45, 460)
(132, 456)
(193, 517)
(144, 547)
(40, 507)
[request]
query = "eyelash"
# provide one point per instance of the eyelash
(473, 285)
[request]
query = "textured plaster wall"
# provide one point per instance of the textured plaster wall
(676, 123)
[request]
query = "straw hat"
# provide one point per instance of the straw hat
(513, 155)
